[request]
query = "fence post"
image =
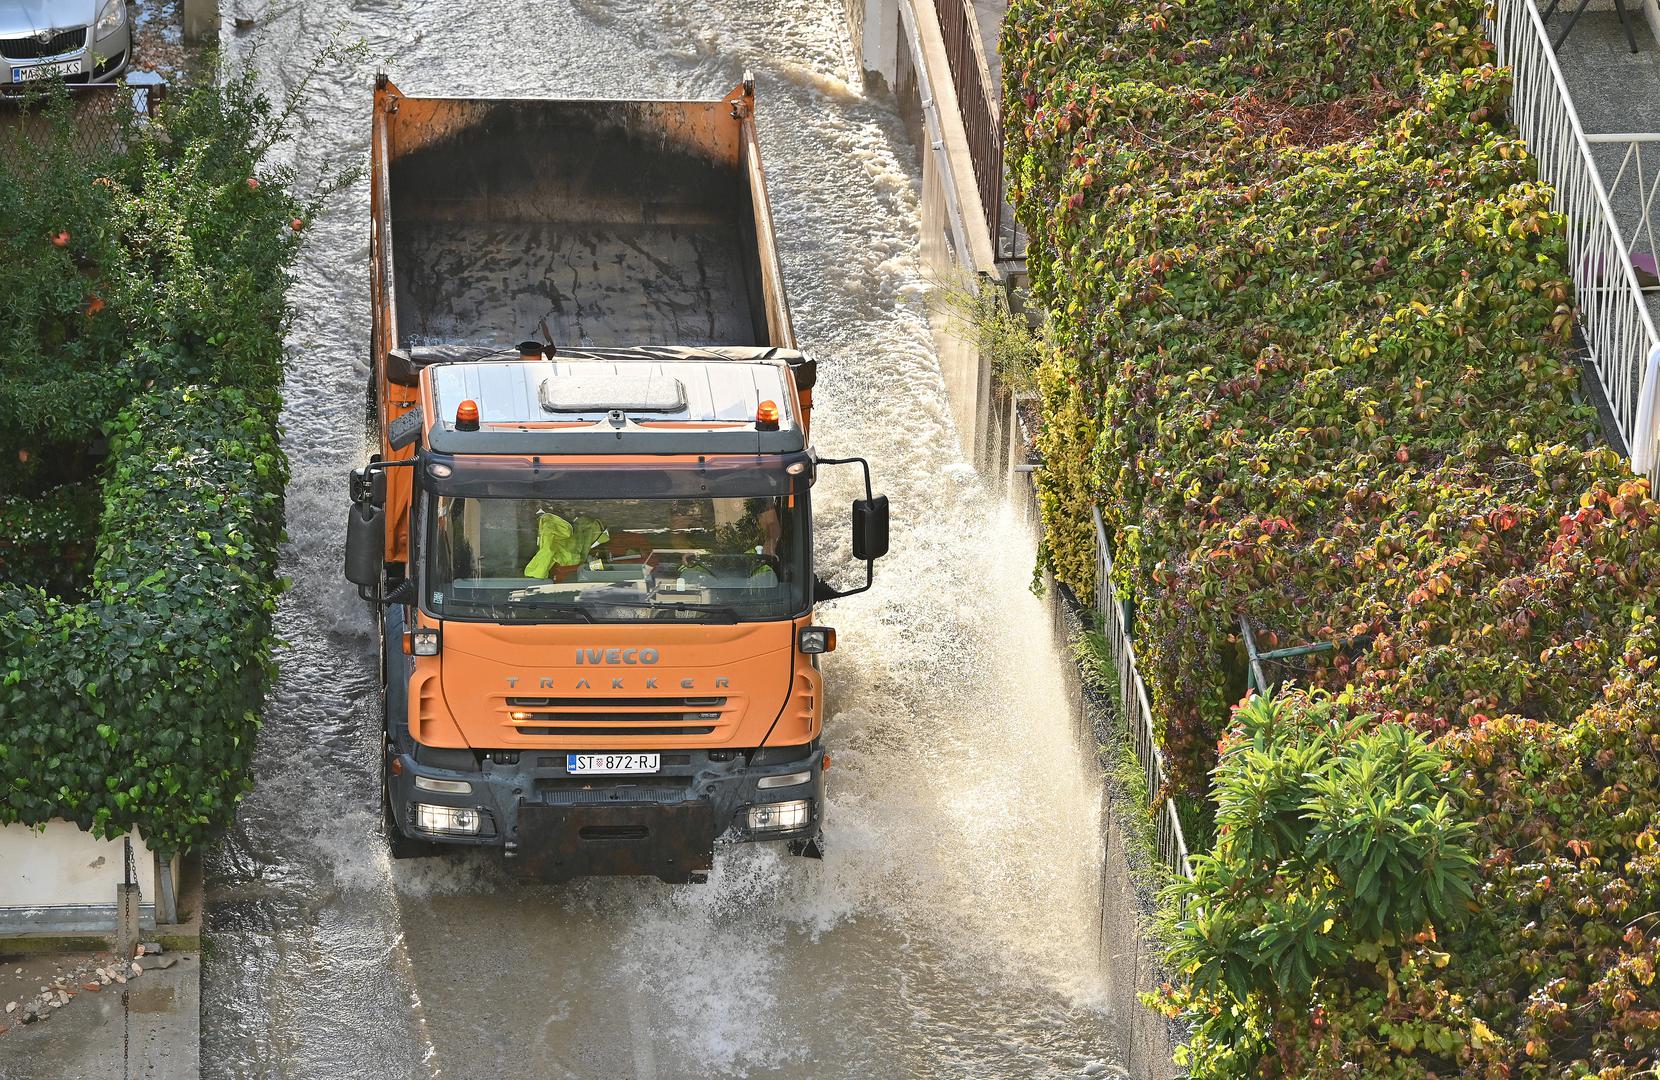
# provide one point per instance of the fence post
(201, 20)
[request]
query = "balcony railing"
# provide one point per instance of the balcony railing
(978, 102)
(1619, 333)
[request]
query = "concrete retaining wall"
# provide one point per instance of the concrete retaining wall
(1128, 960)
(900, 48)
(61, 880)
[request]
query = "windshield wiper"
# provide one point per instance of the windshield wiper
(538, 609)
(681, 605)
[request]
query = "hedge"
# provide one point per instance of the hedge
(138, 707)
(1309, 347)
(141, 362)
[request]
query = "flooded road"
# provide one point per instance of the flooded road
(951, 929)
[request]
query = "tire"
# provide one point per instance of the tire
(399, 845)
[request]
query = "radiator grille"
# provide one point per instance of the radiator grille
(32, 48)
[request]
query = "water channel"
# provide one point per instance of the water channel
(951, 929)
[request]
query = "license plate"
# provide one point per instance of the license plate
(46, 71)
(577, 764)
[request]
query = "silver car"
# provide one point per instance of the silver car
(78, 41)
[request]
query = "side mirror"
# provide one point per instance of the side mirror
(368, 485)
(870, 528)
(366, 542)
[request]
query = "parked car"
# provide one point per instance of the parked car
(78, 41)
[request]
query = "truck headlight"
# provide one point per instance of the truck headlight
(451, 820)
(112, 16)
(780, 816)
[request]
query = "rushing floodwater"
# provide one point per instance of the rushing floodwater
(950, 931)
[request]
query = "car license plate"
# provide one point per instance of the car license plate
(46, 71)
(577, 764)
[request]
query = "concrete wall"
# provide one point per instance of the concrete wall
(1129, 962)
(62, 880)
(967, 377)
(899, 45)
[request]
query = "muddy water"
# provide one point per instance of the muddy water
(950, 931)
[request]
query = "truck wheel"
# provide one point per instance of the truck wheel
(399, 845)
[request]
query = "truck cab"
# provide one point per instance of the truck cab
(603, 657)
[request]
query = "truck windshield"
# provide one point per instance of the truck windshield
(617, 560)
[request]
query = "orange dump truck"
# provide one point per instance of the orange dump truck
(587, 528)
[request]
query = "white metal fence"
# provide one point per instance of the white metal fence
(1618, 330)
(1137, 710)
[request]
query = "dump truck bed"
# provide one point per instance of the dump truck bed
(598, 223)
(583, 223)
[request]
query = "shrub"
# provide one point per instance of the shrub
(1288, 357)
(1339, 858)
(146, 282)
(137, 708)
(1310, 352)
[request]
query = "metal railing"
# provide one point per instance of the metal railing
(1618, 330)
(1136, 708)
(1644, 186)
(978, 103)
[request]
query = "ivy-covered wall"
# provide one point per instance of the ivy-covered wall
(1309, 348)
(1309, 330)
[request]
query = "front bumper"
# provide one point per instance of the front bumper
(91, 63)
(554, 826)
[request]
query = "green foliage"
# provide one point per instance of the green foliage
(47, 541)
(146, 280)
(1317, 358)
(137, 708)
(1338, 849)
(159, 256)
(1002, 336)
(1309, 322)
(1563, 955)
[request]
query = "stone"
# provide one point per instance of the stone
(11, 1006)
(153, 963)
(94, 987)
(136, 969)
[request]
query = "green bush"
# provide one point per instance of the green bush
(1310, 352)
(137, 708)
(1318, 368)
(161, 257)
(1339, 857)
(146, 281)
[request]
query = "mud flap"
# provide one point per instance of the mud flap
(674, 842)
(811, 847)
